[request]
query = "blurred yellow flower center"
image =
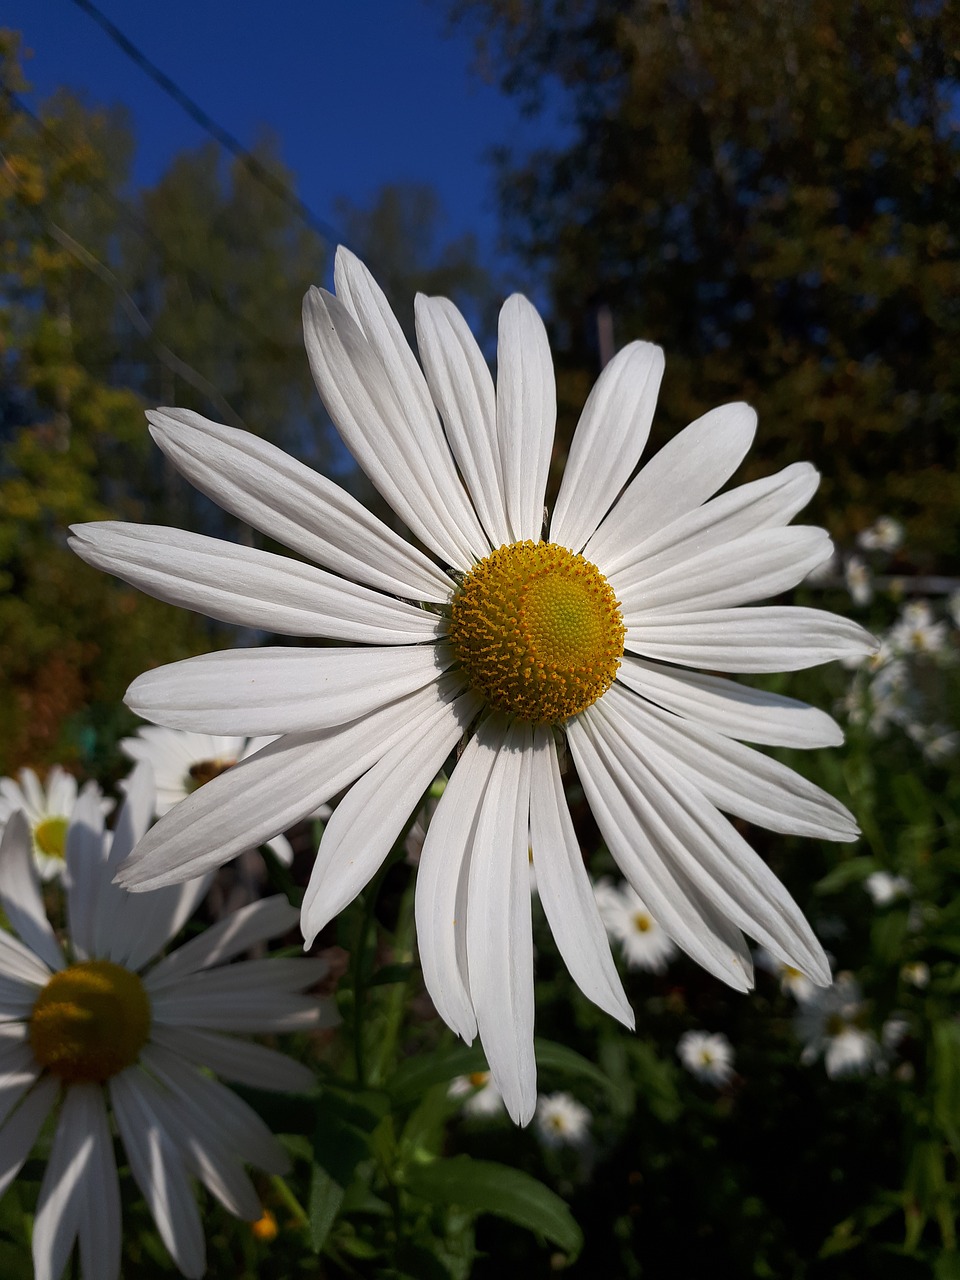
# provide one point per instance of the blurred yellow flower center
(538, 631)
(642, 923)
(205, 771)
(90, 1022)
(50, 837)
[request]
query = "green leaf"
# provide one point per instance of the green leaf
(483, 1186)
(340, 1144)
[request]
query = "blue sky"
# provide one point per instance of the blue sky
(358, 93)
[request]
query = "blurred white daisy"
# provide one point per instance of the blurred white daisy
(644, 944)
(481, 1097)
(182, 762)
(48, 807)
(916, 973)
(101, 1026)
(707, 1055)
(506, 645)
(562, 1121)
(859, 580)
(792, 981)
(833, 1026)
(885, 888)
(885, 534)
(917, 630)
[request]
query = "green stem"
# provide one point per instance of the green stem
(290, 1200)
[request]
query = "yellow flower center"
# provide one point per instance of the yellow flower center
(205, 771)
(90, 1022)
(642, 923)
(538, 631)
(50, 837)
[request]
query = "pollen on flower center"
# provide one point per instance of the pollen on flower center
(50, 837)
(204, 771)
(538, 631)
(90, 1022)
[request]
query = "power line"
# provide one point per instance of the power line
(229, 141)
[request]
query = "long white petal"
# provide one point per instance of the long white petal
(463, 390)
(20, 896)
(293, 504)
(499, 930)
(761, 504)
(370, 817)
(733, 777)
(158, 1169)
(87, 854)
(100, 1228)
(688, 469)
(22, 977)
(762, 638)
(22, 1129)
(728, 707)
(526, 414)
(236, 1059)
(248, 587)
(674, 901)
(62, 1200)
(564, 886)
(238, 932)
(695, 840)
(266, 793)
(19, 1070)
(607, 444)
(283, 690)
(116, 927)
(755, 567)
(398, 447)
(160, 917)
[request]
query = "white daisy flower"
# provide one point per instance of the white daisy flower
(792, 981)
(562, 1121)
(917, 631)
(644, 944)
(885, 534)
(481, 1097)
(832, 1026)
(507, 644)
(182, 762)
(708, 1056)
(884, 888)
(101, 1026)
(859, 580)
(48, 807)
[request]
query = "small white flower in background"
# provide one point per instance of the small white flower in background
(938, 742)
(481, 1097)
(917, 631)
(652, 577)
(831, 1025)
(884, 888)
(183, 761)
(644, 944)
(707, 1055)
(916, 974)
(792, 981)
(101, 1026)
(859, 580)
(561, 1121)
(885, 534)
(48, 808)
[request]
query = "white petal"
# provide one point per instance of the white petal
(674, 901)
(238, 932)
(248, 587)
(733, 777)
(283, 690)
(266, 793)
(526, 414)
(81, 1155)
(688, 469)
(22, 1129)
(20, 896)
(293, 504)
(463, 390)
(160, 916)
(368, 820)
(158, 1169)
(754, 567)
(499, 930)
(608, 442)
(565, 889)
(694, 840)
(117, 928)
(234, 1059)
(765, 638)
(733, 709)
(22, 977)
(19, 1070)
(385, 428)
(86, 854)
(761, 504)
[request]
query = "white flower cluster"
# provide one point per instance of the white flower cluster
(834, 1025)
